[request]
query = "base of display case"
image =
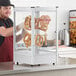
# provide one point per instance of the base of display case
(73, 45)
(26, 57)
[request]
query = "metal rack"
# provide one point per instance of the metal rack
(36, 55)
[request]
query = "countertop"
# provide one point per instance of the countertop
(10, 68)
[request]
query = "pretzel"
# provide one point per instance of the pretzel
(73, 36)
(27, 23)
(40, 23)
(44, 21)
(27, 39)
(72, 24)
(39, 40)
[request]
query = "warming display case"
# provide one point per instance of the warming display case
(73, 28)
(36, 41)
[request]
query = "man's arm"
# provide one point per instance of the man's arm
(20, 36)
(6, 31)
(19, 26)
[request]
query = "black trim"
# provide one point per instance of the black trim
(72, 10)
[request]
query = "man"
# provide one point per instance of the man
(6, 32)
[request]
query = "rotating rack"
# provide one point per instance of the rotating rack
(36, 55)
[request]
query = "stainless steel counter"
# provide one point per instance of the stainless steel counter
(8, 68)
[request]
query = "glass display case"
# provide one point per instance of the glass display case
(72, 28)
(35, 35)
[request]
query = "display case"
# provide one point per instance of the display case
(72, 28)
(39, 31)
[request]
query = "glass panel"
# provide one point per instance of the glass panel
(67, 38)
(21, 21)
(49, 18)
(45, 29)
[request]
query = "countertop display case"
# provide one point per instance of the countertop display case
(39, 31)
(72, 28)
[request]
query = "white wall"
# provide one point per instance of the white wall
(63, 11)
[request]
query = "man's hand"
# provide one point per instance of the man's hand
(2, 31)
(6, 31)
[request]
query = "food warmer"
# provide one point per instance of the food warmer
(72, 27)
(40, 37)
